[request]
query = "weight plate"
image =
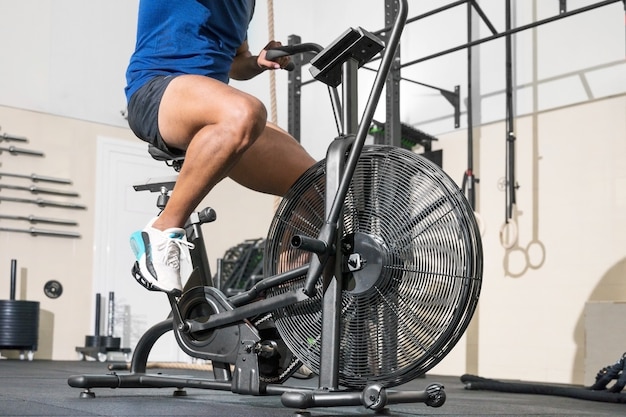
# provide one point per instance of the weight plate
(53, 289)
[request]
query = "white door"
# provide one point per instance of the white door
(120, 210)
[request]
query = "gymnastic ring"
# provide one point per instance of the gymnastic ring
(507, 263)
(508, 230)
(542, 252)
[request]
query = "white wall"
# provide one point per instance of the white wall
(64, 63)
(60, 55)
(69, 146)
(571, 61)
(571, 248)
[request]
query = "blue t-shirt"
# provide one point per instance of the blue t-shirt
(187, 37)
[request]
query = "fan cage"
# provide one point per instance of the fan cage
(418, 307)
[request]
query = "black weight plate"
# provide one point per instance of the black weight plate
(53, 289)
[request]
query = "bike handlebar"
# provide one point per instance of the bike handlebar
(289, 50)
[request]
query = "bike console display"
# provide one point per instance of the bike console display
(357, 44)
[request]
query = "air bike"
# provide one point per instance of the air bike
(371, 271)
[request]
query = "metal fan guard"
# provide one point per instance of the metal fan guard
(411, 303)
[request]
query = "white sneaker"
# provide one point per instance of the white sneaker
(158, 255)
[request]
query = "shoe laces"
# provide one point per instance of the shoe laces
(173, 246)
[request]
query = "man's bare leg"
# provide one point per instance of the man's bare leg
(225, 133)
(273, 163)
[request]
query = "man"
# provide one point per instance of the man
(179, 100)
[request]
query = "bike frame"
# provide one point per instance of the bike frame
(235, 310)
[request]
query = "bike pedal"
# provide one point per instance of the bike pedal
(136, 272)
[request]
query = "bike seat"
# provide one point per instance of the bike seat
(171, 158)
(161, 155)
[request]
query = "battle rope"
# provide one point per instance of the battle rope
(599, 391)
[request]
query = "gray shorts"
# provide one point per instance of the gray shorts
(143, 112)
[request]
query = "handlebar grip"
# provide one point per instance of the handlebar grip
(274, 54)
(288, 50)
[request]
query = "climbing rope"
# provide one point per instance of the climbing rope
(270, 28)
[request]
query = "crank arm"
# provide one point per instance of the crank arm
(268, 282)
(244, 312)
(178, 320)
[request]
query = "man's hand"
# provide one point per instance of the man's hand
(264, 63)
(246, 66)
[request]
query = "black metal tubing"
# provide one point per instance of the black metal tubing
(328, 231)
(374, 398)
(143, 380)
(512, 31)
(13, 279)
(453, 98)
(350, 107)
(469, 180)
(294, 88)
(510, 121)
(145, 344)
(303, 54)
(424, 15)
(393, 125)
(199, 253)
(268, 282)
(331, 301)
(96, 330)
(245, 311)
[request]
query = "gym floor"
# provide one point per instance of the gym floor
(39, 388)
